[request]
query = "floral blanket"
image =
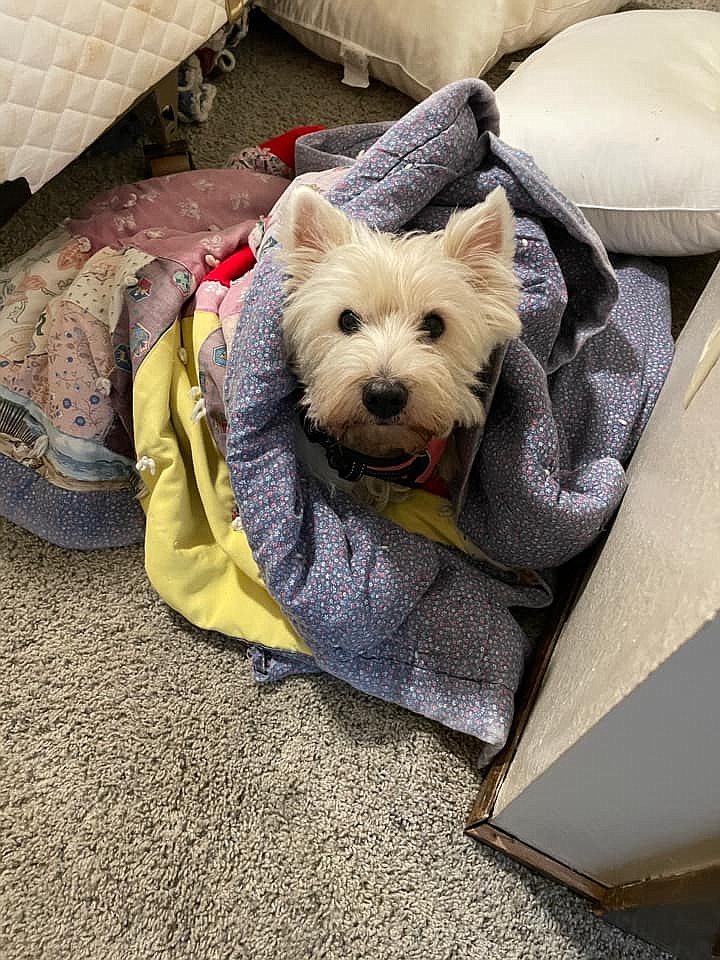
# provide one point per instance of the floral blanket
(406, 617)
(69, 354)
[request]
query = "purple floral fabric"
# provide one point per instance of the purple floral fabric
(394, 614)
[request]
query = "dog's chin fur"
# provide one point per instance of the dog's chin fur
(464, 274)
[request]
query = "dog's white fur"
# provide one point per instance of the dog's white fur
(464, 274)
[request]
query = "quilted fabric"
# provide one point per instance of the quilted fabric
(69, 68)
(396, 615)
(69, 343)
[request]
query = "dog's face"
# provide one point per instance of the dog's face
(388, 333)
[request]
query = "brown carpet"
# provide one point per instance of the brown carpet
(154, 803)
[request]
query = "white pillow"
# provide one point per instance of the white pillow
(623, 114)
(418, 46)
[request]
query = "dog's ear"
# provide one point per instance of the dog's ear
(311, 228)
(485, 230)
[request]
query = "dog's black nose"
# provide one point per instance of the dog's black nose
(385, 399)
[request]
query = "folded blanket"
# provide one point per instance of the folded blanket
(395, 614)
(69, 354)
(128, 372)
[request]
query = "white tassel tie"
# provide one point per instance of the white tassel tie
(103, 386)
(146, 463)
(199, 411)
(40, 447)
(237, 525)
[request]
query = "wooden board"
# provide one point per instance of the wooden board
(576, 576)
(540, 862)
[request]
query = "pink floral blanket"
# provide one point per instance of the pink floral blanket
(68, 352)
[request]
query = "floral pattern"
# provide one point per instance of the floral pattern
(190, 209)
(68, 349)
(74, 254)
(55, 336)
(396, 615)
(239, 201)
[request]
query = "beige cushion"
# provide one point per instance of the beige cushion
(623, 114)
(418, 46)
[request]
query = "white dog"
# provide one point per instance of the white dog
(387, 334)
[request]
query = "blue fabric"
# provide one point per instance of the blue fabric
(76, 519)
(394, 614)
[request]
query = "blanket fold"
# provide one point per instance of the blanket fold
(398, 615)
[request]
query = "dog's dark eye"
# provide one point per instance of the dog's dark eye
(433, 325)
(349, 321)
